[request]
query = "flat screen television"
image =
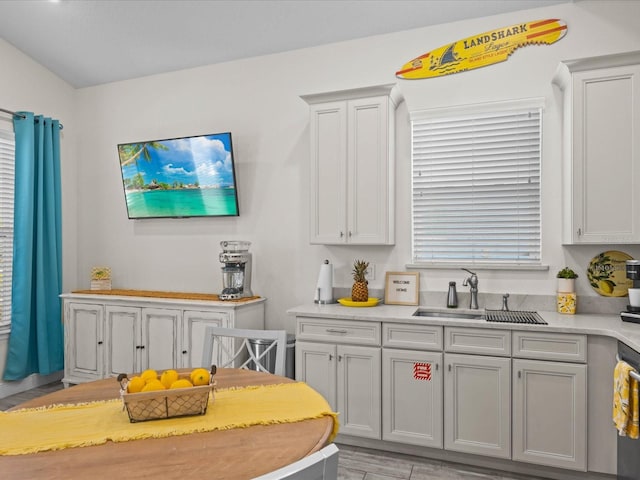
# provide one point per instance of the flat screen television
(180, 177)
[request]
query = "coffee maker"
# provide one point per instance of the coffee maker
(632, 314)
(236, 271)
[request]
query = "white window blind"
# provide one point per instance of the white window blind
(7, 170)
(476, 186)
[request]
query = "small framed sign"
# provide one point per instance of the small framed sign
(402, 288)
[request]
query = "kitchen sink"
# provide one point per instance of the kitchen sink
(487, 315)
(425, 312)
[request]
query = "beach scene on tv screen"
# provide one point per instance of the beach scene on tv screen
(182, 177)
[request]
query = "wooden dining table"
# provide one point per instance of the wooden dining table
(239, 453)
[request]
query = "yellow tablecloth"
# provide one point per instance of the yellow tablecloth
(64, 426)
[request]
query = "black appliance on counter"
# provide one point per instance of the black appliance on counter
(628, 449)
(632, 313)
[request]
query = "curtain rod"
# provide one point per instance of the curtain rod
(21, 116)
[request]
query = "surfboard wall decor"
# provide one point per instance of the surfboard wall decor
(483, 49)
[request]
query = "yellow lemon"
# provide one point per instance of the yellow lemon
(182, 383)
(153, 385)
(168, 377)
(200, 378)
(606, 286)
(149, 375)
(197, 371)
(135, 385)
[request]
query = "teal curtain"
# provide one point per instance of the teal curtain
(36, 343)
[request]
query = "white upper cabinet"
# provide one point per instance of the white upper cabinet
(601, 149)
(352, 166)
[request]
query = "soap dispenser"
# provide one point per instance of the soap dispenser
(452, 296)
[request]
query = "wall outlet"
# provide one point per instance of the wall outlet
(370, 272)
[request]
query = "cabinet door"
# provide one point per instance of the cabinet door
(477, 399)
(123, 339)
(328, 124)
(159, 338)
(550, 413)
(84, 345)
(370, 172)
(316, 366)
(193, 325)
(606, 155)
(358, 390)
(412, 397)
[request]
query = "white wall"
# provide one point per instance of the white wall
(258, 100)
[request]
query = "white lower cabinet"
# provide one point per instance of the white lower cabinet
(108, 335)
(477, 400)
(412, 397)
(348, 377)
(550, 404)
(509, 394)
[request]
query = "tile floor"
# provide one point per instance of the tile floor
(13, 400)
(355, 463)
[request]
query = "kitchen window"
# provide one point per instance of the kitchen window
(476, 184)
(7, 170)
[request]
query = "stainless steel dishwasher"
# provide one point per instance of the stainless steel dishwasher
(628, 449)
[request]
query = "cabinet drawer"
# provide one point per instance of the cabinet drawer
(415, 337)
(338, 331)
(482, 341)
(566, 347)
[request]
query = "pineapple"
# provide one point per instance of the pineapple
(360, 289)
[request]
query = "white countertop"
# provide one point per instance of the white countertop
(588, 323)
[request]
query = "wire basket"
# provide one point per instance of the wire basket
(171, 403)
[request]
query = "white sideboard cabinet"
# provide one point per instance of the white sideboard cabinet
(140, 338)
(352, 136)
(110, 334)
(601, 148)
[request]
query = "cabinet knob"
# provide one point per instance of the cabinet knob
(341, 234)
(184, 352)
(339, 358)
(349, 233)
(100, 342)
(330, 357)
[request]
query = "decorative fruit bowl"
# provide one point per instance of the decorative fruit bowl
(167, 403)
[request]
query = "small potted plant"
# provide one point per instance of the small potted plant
(566, 280)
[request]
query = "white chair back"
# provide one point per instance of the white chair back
(322, 465)
(231, 347)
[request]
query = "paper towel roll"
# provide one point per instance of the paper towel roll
(324, 287)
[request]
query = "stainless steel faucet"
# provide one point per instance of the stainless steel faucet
(505, 304)
(472, 282)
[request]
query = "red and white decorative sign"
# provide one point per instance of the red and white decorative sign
(422, 371)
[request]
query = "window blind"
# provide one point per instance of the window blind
(476, 187)
(7, 171)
